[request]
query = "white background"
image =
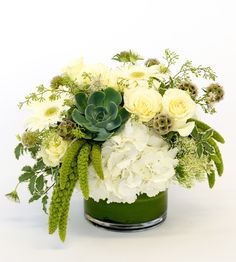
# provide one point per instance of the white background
(37, 38)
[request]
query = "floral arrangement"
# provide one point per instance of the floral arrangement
(116, 133)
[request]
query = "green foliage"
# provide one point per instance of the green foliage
(97, 160)
(206, 136)
(70, 154)
(204, 127)
(211, 179)
(217, 158)
(19, 150)
(171, 57)
(82, 164)
(37, 178)
(127, 57)
(201, 138)
(100, 113)
(192, 166)
(188, 69)
(59, 85)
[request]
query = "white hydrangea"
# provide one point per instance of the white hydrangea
(135, 161)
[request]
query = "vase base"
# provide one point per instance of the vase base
(126, 227)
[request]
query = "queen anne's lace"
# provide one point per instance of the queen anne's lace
(134, 161)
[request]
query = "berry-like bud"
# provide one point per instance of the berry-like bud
(162, 124)
(65, 129)
(190, 88)
(56, 82)
(29, 139)
(151, 62)
(214, 93)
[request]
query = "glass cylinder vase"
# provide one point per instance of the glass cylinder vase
(144, 213)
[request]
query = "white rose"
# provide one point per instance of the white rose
(143, 102)
(52, 150)
(180, 107)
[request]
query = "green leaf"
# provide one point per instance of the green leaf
(31, 185)
(113, 110)
(201, 125)
(211, 179)
(90, 112)
(19, 150)
(207, 134)
(103, 135)
(40, 183)
(112, 95)
(208, 148)
(81, 101)
(34, 197)
(195, 134)
(26, 176)
(114, 124)
(39, 165)
(27, 169)
(219, 161)
(96, 98)
(124, 114)
(44, 202)
(78, 118)
(199, 150)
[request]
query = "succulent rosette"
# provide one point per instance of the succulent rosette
(100, 113)
(117, 133)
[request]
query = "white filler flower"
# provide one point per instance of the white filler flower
(45, 113)
(134, 161)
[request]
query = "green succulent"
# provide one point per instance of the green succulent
(100, 113)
